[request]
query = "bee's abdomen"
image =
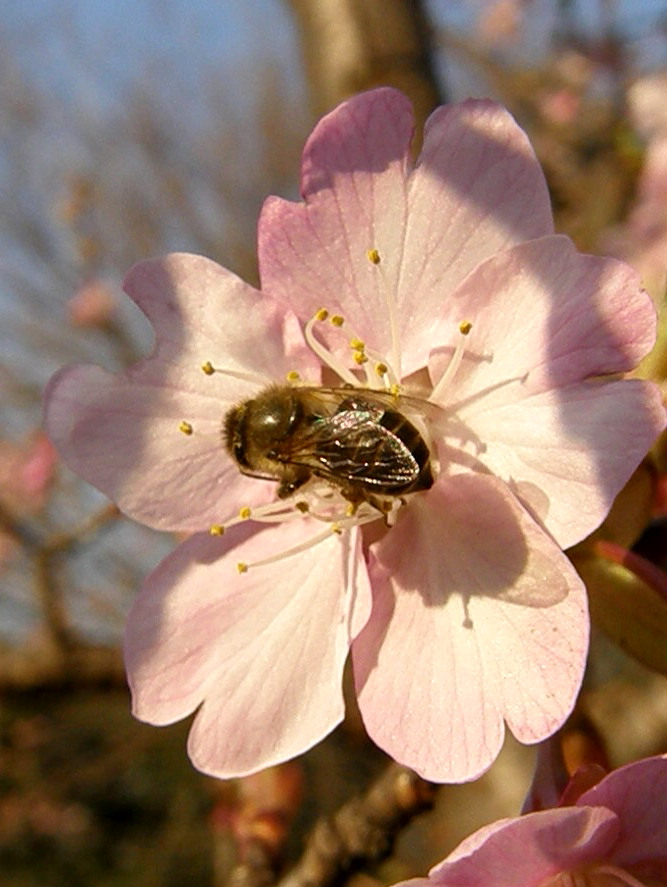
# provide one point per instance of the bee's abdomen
(406, 432)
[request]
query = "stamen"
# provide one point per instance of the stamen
(326, 356)
(375, 259)
(217, 529)
(293, 376)
(454, 363)
(186, 428)
(209, 370)
(278, 512)
(336, 320)
(361, 355)
(297, 549)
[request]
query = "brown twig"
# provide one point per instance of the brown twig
(41, 665)
(362, 830)
(58, 657)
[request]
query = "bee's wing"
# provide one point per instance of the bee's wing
(352, 446)
(408, 404)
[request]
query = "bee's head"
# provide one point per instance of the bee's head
(255, 429)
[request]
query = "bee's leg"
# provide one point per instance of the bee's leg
(292, 482)
(384, 506)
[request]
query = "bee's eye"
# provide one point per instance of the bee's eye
(239, 453)
(277, 417)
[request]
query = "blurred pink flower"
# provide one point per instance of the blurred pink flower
(462, 615)
(560, 106)
(615, 834)
(499, 22)
(27, 470)
(642, 238)
(93, 304)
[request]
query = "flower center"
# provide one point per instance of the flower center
(347, 455)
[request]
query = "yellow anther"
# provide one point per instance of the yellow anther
(373, 256)
(322, 314)
(208, 368)
(302, 506)
(381, 369)
(337, 320)
(293, 376)
(185, 427)
(395, 390)
(357, 344)
(359, 357)
(464, 327)
(245, 512)
(216, 530)
(241, 567)
(351, 510)
(336, 529)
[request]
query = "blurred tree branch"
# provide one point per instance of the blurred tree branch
(58, 657)
(350, 46)
(362, 830)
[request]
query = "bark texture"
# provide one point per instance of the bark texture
(353, 45)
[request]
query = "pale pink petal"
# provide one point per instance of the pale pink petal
(354, 181)
(478, 189)
(122, 432)
(548, 316)
(568, 453)
(546, 322)
(637, 793)
(524, 852)
(201, 310)
(263, 652)
(492, 619)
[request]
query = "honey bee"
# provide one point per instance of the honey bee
(357, 440)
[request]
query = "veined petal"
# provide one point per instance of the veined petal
(123, 432)
(478, 188)
(567, 453)
(490, 614)
(547, 324)
(525, 851)
(262, 652)
(546, 316)
(197, 306)
(637, 793)
(354, 183)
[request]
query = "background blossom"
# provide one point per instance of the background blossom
(616, 828)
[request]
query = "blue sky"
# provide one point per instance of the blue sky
(93, 49)
(92, 52)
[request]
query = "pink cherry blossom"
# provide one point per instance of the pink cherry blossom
(459, 609)
(27, 470)
(615, 834)
(93, 304)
